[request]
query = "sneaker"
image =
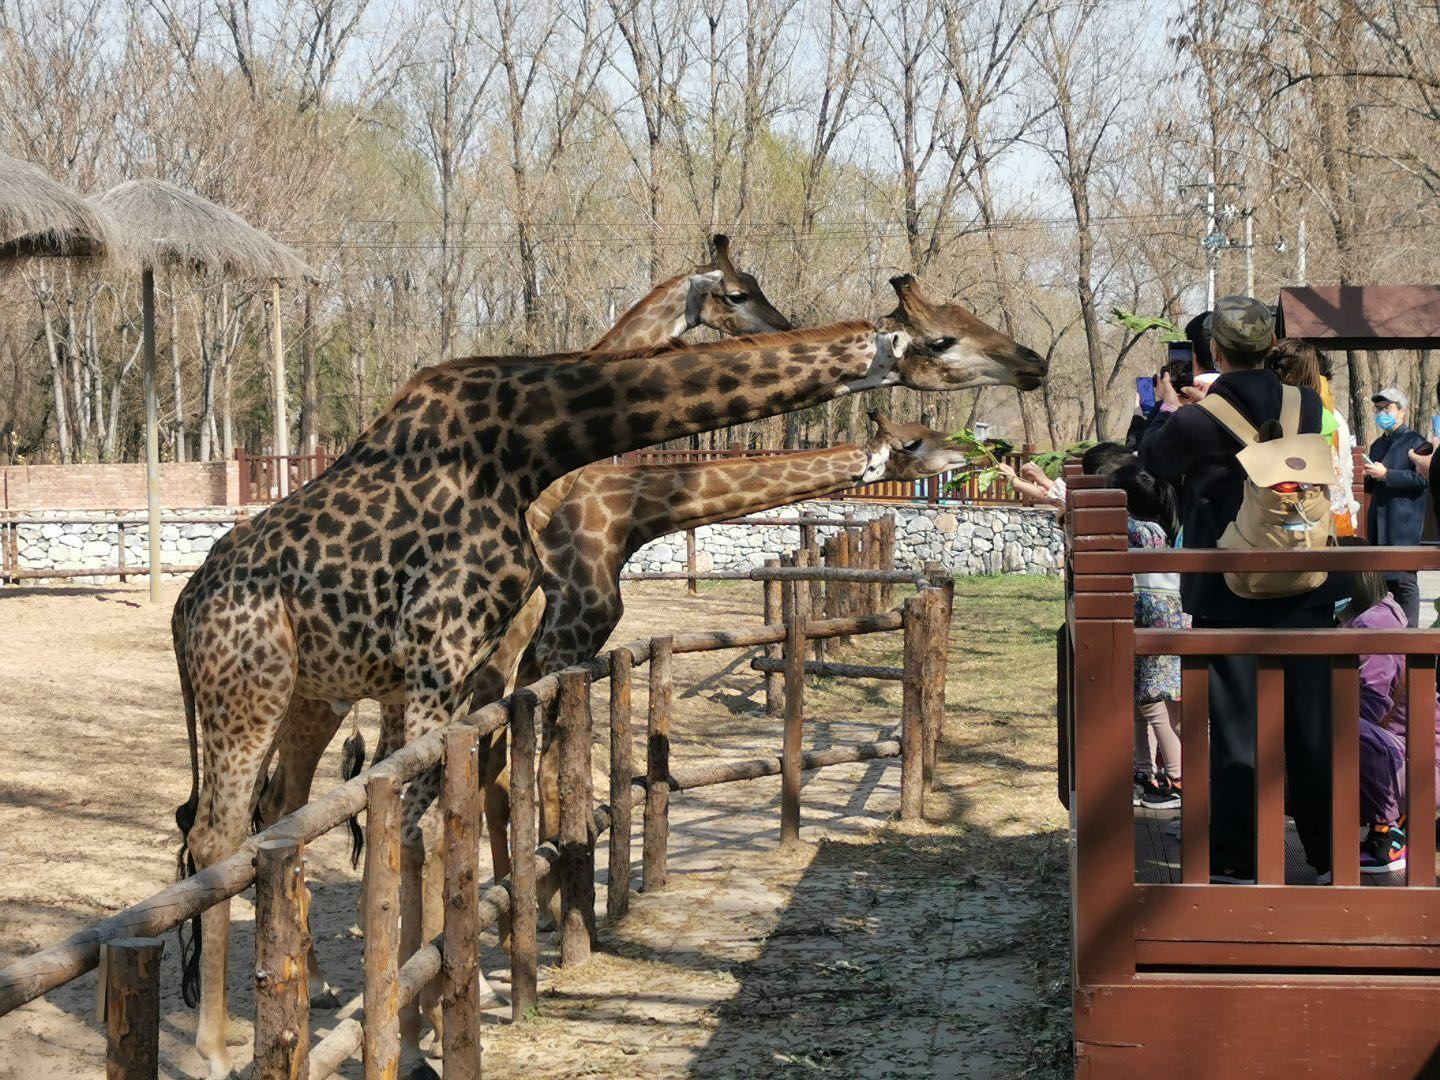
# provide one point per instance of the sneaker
(1325, 877)
(1138, 793)
(1162, 793)
(1231, 877)
(1383, 849)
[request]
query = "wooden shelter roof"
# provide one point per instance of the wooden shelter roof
(1362, 316)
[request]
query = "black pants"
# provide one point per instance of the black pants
(1232, 747)
(1405, 588)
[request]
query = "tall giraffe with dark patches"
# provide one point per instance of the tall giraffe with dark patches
(397, 570)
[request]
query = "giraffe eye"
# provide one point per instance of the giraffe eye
(737, 297)
(942, 344)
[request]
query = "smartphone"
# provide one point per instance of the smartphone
(1177, 352)
(1435, 426)
(1145, 387)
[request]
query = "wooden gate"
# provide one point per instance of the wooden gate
(1185, 978)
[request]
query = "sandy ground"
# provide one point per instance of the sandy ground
(866, 951)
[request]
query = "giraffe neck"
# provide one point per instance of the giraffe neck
(673, 498)
(660, 317)
(519, 424)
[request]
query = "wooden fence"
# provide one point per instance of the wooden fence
(273, 860)
(1174, 975)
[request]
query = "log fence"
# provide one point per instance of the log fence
(273, 860)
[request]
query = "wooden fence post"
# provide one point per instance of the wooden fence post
(876, 544)
(381, 1048)
(817, 601)
(120, 545)
(460, 1000)
(657, 764)
(577, 851)
(773, 617)
(858, 557)
(691, 584)
(833, 608)
(524, 918)
(132, 1008)
(622, 771)
(282, 946)
(887, 591)
(912, 719)
(794, 723)
(807, 535)
(843, 608)
(937, 631)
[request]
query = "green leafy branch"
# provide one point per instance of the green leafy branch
(1143, 324)
(988, 451)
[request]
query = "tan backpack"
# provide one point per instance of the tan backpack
(1286, 502)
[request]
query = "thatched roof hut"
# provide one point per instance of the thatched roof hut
(158, 223)
(39, 216)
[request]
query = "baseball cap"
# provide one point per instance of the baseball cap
(1391, 394)
(1242, 323)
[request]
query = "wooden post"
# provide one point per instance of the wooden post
(800, 605)
(841, 588)
(381, 1048)
(622, 769)
(120, 543)
(912, 721)
(932, 689)
(858, 557)
(876, 547)
(887, 592)
(524, 963)
(807, 535)
(773, 617)
(282, 427)
(152, 429)
(817, 601)
(794, 722)
(691, 583)
(460, 996)
(282, 947)
(832, 589)
(657, 764)
(132, 1008)
(577, 851)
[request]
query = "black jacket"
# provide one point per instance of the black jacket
(1189, 448)
(1397, 504)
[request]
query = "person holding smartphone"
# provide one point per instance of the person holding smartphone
(1397, 492)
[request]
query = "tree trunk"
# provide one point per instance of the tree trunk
(179, 440)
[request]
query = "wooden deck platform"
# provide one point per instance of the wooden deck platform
(1157, 852)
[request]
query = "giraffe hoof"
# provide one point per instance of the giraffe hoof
(325, 1000)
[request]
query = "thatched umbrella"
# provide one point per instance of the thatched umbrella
(160, 224)
(39, 216)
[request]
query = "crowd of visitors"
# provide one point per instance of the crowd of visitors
(1206, 467)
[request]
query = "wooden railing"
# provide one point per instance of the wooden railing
(273, 860)
(1284, 964)
(266, 478)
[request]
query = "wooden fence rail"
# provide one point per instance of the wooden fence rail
(274, 859)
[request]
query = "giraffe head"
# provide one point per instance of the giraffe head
(909, 451)
(945, 347)
(727, 299)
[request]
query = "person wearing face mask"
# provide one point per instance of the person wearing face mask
(1397, 493)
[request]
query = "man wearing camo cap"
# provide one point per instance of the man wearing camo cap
(1189, 447)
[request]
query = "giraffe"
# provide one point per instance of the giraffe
(717, 295)
(397, 570)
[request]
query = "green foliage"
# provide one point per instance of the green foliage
(1053, 461)
(1142, 324)
(987, 453)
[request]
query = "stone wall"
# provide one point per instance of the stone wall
(118, 486)
(971, 540)
(77, 540)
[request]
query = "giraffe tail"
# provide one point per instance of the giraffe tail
(185, 815)
(352, 762)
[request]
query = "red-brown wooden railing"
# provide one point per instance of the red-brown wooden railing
(1190, 978)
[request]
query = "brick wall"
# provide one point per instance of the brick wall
(183, 485)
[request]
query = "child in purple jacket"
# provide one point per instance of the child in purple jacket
(1383, 729)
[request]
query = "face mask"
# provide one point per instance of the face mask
(1342, 609)
(1386, 421)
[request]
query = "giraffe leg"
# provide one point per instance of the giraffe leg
(308, 729)
(234, 755)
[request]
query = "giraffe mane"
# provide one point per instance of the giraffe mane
(795, 456)
(635, 310)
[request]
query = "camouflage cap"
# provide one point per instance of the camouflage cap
(1242, 324)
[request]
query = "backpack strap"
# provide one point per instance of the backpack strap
(1289, 410)
(1230, 418)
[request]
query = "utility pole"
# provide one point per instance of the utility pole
(1249, 251)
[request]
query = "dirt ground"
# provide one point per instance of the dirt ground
(869, 951)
